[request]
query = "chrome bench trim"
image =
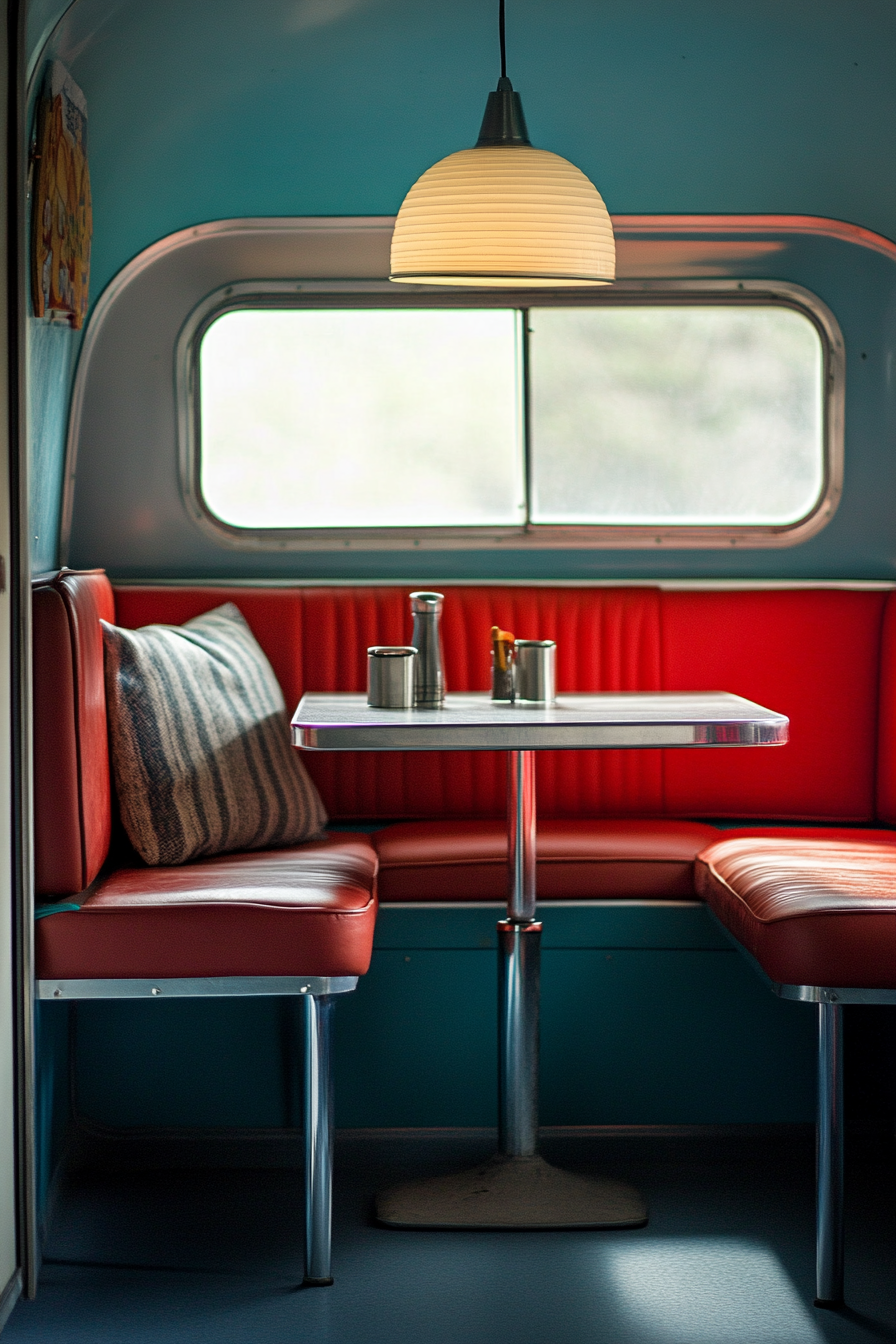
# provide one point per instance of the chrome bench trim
(824, 994)
(229, 986)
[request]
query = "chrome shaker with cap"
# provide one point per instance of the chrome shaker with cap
(429, 677)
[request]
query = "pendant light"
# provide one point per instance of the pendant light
(503, 213)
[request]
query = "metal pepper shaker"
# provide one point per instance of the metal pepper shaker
(429, 679)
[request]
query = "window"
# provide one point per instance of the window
(358, 418)
(675, 415)
(669, 418)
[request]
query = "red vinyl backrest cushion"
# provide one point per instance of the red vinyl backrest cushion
(886, 752)
(813, 654)
(317, 640)
(72, 794)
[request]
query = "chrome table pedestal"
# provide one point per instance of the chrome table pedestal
(516, 1188)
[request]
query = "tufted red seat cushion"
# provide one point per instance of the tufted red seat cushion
(308, 910)
(577, 859)
(813, 908)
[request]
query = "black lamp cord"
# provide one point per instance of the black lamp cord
(503, 123)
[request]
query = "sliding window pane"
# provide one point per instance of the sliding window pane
(675, 415)
(362, 418)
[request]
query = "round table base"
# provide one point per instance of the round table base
(507, 1192)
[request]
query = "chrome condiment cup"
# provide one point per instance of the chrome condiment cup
(535, 671)
(390, 676)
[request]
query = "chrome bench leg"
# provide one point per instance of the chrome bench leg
(318, 1138)
(829, 1158)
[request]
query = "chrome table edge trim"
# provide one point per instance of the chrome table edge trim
(576, 722)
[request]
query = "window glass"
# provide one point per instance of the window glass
(650, 414)
(403, 417)
(675, 414)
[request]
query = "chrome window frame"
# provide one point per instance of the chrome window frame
(554, 536)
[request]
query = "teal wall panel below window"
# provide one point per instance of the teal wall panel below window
(648, 1017)
(417, 1043)
(666, 924)
(187, 1062)
(677, 1037)
(51, 1112)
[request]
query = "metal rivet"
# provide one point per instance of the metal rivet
(57, 993)
(156, 990)
(304, 989)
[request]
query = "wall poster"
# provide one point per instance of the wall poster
(62, 220)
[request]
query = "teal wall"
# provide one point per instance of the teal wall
(214, 109)
(52, 349)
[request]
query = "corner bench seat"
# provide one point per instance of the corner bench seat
(306, 910)
(813, 903)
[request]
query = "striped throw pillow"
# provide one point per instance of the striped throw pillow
(200, 742)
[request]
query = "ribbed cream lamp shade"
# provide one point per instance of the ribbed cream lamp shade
(503, 215)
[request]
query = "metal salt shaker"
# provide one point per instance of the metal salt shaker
(429, 679)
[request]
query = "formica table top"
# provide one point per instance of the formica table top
(327, 722)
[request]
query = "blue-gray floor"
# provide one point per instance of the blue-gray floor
(213, 1257)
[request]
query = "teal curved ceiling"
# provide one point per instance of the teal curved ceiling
(212, 109)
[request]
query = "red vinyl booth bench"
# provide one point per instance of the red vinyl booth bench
(297, 920)
(612, 824)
